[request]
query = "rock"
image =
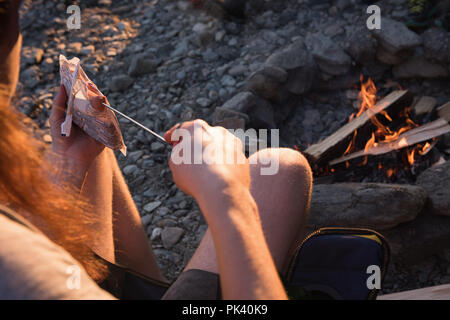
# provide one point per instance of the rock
(170, 236)
(436, 182)
(162, 211)
(203, 102)
(129, 169)
(301, 80)
(75, 47)
(209, 55)
(233, 28)
(183, 5)
(123, 25)
(266, 82)
(181, 49)
(389, 58)
(414, 241)
(436, 45)
(228, 80)
(48, 65)
(423, 105)
(311, 118)
(333, 61)
(140, 66)
(87, 50)
(149, 207)
(27, 105)
(146, 219)
(372, 205)
(204, 33)
(135, 155)
(120, 83)
(157, 146)
(31, 55)
(219, 35)
(222, 117)
(156, 234)
(30, 77)
(421, 68)
(182, 204)
(201, 231)
(231, 123)
(238, 70)
(259, 111)
(299, 64)
(232, 42)
(167, 223)
(361, 46)
(294, 56)
(394, 36)
(330, 58)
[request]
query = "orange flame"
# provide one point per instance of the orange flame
(390, 172)
(370, 142)
(367, 98)
(410, 156)
(424, 150)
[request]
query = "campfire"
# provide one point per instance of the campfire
(393, 135)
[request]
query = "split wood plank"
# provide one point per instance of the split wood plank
(444, 111)
(423, 133)
(335, 144)
(441, 292)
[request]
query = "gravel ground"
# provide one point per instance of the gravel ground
(162, 62)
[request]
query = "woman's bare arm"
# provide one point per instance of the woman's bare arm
(247, 270)
(222, 189)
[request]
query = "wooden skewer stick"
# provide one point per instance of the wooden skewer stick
(137, 123)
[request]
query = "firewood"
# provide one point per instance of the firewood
(424, 105)
(441, 292)
(335, 144)
(444, 111)
(425, 132)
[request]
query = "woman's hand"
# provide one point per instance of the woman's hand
(206, 162)
(79, 148)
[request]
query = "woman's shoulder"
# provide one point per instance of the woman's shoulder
(34, 267)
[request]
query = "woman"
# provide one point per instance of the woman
(69, 226)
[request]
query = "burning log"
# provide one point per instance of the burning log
(423, 133)
(336, 144)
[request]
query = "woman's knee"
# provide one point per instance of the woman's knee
(282, 162)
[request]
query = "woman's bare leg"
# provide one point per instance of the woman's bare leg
(121, 236)
(283, 203)
(132, 246)
(98, 189)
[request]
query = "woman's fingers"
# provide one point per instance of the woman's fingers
(96, 100)
(168, 134)
(59, 106)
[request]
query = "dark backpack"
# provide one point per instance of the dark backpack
(338, 263)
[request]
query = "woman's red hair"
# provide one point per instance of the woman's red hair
(26, 187)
